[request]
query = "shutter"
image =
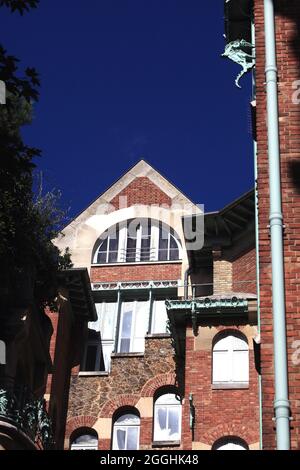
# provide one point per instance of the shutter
(221, 369)
(140, 326)
(160, 317)
(240, 372)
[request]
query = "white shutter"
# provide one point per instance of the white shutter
(96, 325)
(159, 317)
(240, 367)
(141, 326)
(221, 366)
(108, 323)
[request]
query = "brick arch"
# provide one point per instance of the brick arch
(248, 433)
(79, 422)
(111, 406)
(156, 382)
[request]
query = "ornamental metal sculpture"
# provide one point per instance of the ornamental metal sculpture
(235, 52)
(28, 414)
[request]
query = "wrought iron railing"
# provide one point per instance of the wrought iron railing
(21, 408)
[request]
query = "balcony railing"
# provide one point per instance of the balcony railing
(19, 407)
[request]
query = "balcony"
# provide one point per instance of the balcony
(22, 411)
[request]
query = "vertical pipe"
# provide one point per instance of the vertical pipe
(281, 403)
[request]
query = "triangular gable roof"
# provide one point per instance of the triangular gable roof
(141, 169)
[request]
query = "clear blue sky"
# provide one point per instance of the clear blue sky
(122, 79)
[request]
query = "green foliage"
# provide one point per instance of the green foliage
(19, 5)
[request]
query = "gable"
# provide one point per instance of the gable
(141, 191)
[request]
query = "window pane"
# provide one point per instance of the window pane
(131, 250)
(132, 438)
(163, 245)
(121, 439)
(162, 418)
(113, 249)
(102, 252)
(126, 331)
(125, 345)
(173, 424)
(174, 252)
(145, 249)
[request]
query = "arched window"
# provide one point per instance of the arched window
(137, 240)
(231, 359)
(167, 418)
(230, 443)
(84, 439)
(126, 432)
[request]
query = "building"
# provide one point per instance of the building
(25, 363)
(276, 76)
(172, 359)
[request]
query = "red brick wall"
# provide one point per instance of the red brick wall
(138, 272)
(219, 413)
(288, 57)
(244, 273)
(141, 191)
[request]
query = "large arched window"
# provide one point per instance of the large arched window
(167, 418)
(126, 432)
(137, 240)
(84, 439)
(230, 443)
(230, 360)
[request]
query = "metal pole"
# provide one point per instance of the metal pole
(281, 403)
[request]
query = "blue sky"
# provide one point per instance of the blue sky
(125, 79)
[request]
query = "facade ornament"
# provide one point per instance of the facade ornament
(235, 51)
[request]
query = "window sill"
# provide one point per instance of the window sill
(230, 386)
(157, 335)
(134, 263)
(84, 373)
(130, 354)
(165, 443)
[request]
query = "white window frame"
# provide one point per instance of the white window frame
(122, 234)
(84, 446)
(169, 406)
(228, 356)
(136, 423)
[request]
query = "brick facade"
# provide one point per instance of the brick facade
(244, 272)
(288, 53)
(141, 191)
(136, 272)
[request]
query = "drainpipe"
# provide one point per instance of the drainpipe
(281, 403)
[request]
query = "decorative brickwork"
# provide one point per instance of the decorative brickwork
(141, 191)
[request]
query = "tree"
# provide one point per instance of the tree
(30, 262)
